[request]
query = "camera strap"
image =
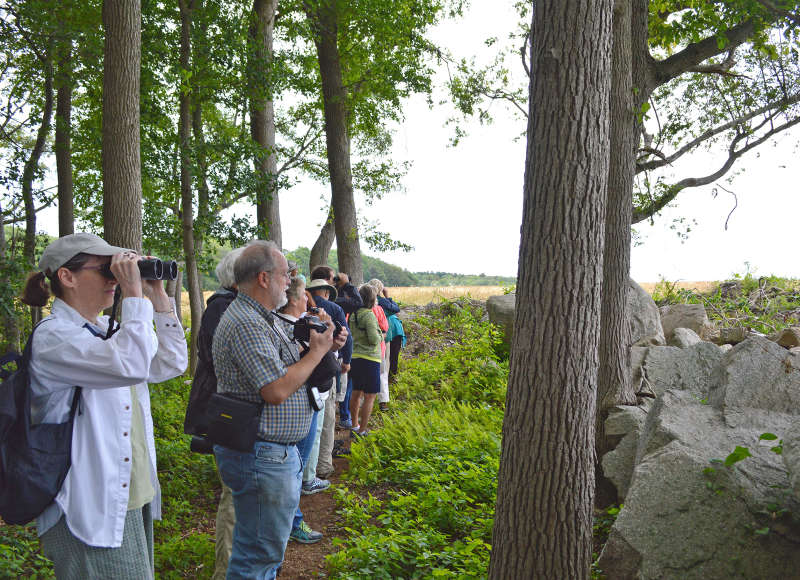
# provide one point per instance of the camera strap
(111, 329)
(279, 331)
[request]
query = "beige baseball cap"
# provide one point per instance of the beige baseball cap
(60, 251)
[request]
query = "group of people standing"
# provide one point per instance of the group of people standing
(100, 523)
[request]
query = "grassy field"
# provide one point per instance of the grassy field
(418, 295)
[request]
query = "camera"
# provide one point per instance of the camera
(150, 269)
(303, 327)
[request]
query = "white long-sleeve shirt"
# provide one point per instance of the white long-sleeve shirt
(94, 497)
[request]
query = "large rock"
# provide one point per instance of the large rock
(501, 312)
(618, 465)
(683, 338)
(684, 516)
(691, 316)
(791, 456)
(645, 321)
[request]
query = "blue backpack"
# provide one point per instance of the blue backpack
(34, 459)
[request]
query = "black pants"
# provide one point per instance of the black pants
(394, 355)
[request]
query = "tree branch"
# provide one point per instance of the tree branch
(667, 160)
(660, 202)
(697, 52)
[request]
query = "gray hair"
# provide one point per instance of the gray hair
(377, 284)
(225, 268)
(296, 288)
(257, 256)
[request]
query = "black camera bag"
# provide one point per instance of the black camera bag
(232, 422)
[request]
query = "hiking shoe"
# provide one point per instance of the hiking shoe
(316, 485)
(359, 434)
(383, 406)
(326, 474)
(305, 535)
(339, 450)
(345, 423)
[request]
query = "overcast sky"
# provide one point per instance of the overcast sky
(462, 206)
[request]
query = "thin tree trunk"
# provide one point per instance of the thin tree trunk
(614, 381)
(322, 247)
(262, 120)
(187, 199)
(9, 339)
(629, 92)
(543, 521)
(122, 185)
(29, 172)
(63, 146)
(334, 97)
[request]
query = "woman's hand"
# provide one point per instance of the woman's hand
(125, 268)
(154, 290)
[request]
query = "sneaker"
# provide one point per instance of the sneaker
(345, 424)
(305, 535)
(316, 485)
(359, 434)
(383, 406)
(326, 474)
(339, 450)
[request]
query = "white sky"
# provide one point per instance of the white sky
(462, 206)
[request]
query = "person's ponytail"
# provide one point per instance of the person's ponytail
(36, 291)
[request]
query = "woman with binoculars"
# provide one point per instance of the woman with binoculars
(100, 524)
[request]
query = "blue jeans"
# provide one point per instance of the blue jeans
(344, 406)
(304, 447)
(266, 490)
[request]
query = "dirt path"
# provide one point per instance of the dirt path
(303, 561)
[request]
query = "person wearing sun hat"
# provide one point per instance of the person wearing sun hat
(110, 495)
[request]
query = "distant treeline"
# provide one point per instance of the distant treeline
(392, 275)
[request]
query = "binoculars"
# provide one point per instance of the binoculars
(150, 269)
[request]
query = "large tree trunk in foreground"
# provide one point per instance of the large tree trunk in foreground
(63, 145)
(122, 185)
(337, 139)
(322, 247)
(543, 522)
(187, 199)
(262, 119)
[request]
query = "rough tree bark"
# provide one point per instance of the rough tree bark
(187, 199)
(614, 381)
(122, 185)
(63, 144)
(324, 22)
(322, 247)
(262, 119)
(543, 521)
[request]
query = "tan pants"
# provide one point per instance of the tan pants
(325, 459)
(226, 519)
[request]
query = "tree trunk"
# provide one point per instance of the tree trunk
(543, 521)
(262, 120)
(32, 163)
(322, 247)
(29, 172)
(9, 329)
(629, 91)
(122, 185)
(334, 98)
(614, 381)
(63, 145)
(187, 199)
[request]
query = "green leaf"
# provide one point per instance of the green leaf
(738, 455)
(767, 437)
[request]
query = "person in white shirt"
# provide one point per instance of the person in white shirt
(100, 523)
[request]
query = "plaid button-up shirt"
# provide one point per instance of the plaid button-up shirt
(251, 351)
